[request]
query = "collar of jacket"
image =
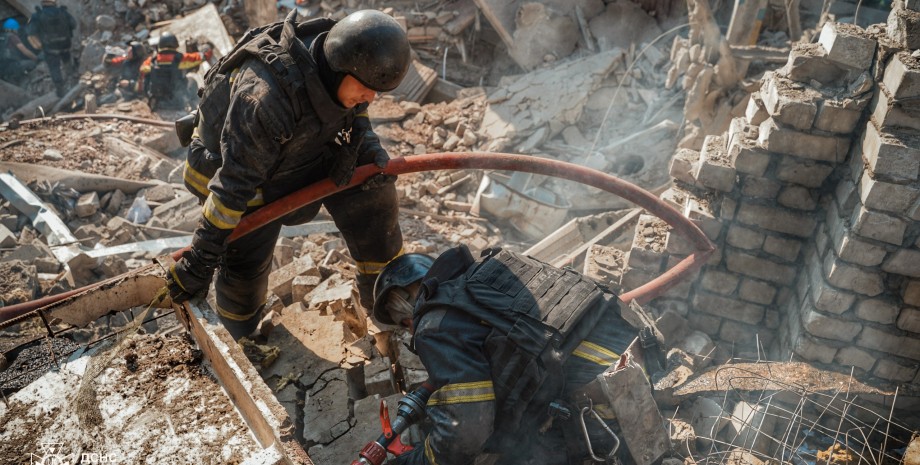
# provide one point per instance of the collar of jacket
(323, 104)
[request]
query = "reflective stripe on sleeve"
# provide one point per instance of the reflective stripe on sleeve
(463, 393)
(219, 215)
(429, 454)
(195, 180)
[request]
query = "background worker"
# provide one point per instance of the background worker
(281, 135)
(125, 67)
(483, 328)
(16, 60)
(53, 26)
(162, 77)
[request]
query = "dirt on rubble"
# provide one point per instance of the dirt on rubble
(159, 403)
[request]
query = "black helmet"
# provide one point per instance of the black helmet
(168, 41)
(401, 272)
(370, 46)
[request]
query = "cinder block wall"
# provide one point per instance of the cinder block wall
(813, 200)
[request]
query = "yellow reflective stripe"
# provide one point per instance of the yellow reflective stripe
(256, 201)
(235, 316)
(605, 411)
(233, 74)
(363, 115)
(595, 353)
(194, 179)
(375, 267)
(463, 393)
(429, 454)
(219, 215)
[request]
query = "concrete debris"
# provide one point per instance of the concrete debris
(798, 160)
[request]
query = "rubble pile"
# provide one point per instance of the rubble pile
(814, 226)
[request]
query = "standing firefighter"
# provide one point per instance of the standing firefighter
(162, 76)
(511, 346)
(53, 26)
(285, 109)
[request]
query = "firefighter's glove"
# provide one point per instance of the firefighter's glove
(190, 275)
(377, 181)
(345, 157)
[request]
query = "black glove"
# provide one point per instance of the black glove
(380, 155)
(345, 155)
(191, 274)
(377, 181)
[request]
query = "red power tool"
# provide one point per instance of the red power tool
(411, 409)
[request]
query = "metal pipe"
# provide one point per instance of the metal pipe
(471, 160)
(133, 119)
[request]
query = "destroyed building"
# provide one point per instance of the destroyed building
(785, 131)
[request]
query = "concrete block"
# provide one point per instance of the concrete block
(763, 188)
(809, 62)
(776, 219)
(280, 281)
(902, 76)
(378, 377)
(894, 371)
(855, 357)
(825, 296)
(719, 282)
(889, 113)
(727, 209)
(303, 285)
(788, 102)
(803, 172)
(728, 308)
(878, 226)
(909, 319)
(809, 349)
(682, 165)
(701, 212)
(886, 197)
(160, 193)
(114, 202)
(848, 44)
(839, 117)
(698, 345)
(787, 249)
(846, 276)
(757, 292)
(635, 277)
(741, 334)
(708, 419)
(883, 311)
(829, 327)
(673, 326)
(759, 268)
(755, 112)
(636, 412)
(7, 238)
(714, 169)
(846, 195)
(786, 141)
(892, 343)
(894, 156)
(797, 197)
(87, 204)
(904, 262)
(911, 293)
(854, 250)
(744, 238)
(703, 322)
(903, 28)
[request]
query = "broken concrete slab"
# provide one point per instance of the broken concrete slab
(751, 427)
(18, 282)
(553, 98)
(542, 36)
(203, 25)
(378, 377)
(330, 297)
(279, 282)
(44, 220)
(7, 238)
(363, 427)
(325, 410)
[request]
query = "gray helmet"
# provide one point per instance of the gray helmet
(401, 272)
(370, 46)
(168, 41)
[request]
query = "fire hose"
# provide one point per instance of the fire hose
(451, 161)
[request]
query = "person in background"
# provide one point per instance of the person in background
(16, 60)
(162, 76)
(53, 26)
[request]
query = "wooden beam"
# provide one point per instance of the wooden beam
(500, 14)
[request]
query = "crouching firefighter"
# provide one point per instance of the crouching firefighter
(285, 109)
(511, 345)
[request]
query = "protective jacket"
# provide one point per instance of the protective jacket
(54, 26)
(271, 145)
(502, 339)
(162, 75)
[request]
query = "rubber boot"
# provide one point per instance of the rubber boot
(365, 285)
(245, 328)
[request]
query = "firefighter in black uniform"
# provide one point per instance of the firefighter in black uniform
(277, 138)
(162, 76)
(509, 343)
(54, 26)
